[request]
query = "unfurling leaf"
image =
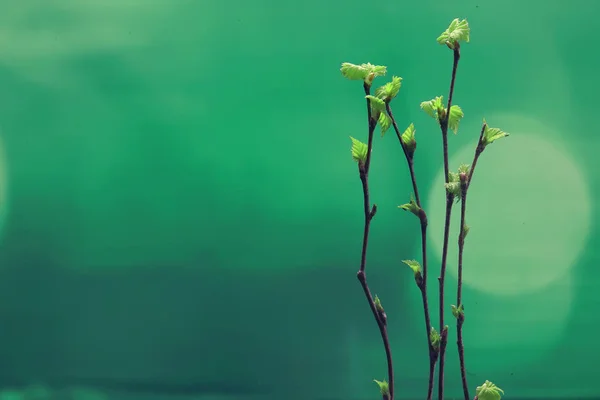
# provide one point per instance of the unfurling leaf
(466, 230)
(365, 72)
(435, 339)
(378, 305)
(408, 138)
(456, 114)
(416, 269)
(488, 391)
(433, 107)
(453, 185)
(463, 169)
(384, 122)
(377, 105)
(490, 135)
(375, 71)
(458, 31)
(359, 150)
(388, 91)
(354, 72)
(384, 387)
(412, 207)
(414, 265)
(457, 311)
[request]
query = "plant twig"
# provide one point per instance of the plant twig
(449, 201)
(460, 317)
(465, 182)
(370, 211)
(433, 354)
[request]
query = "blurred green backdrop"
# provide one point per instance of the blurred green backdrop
(181, 216)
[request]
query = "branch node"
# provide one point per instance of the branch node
(373, 211)
(361, 276)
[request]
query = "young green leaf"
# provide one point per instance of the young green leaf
(466, 230)
(359, 150)
(354, 72)
(384, 123)
(435, 339)
(365, 72)
(458, 31)
(457, 311)
(490, 135)
(378, 305)
(453, 185)
(433, 106)
(414, 265)
(384, 387)
(488, 391)
(377, 105)
(408, 138)
(388, 91)
(412, 206)
(456, 114)
(376, 70)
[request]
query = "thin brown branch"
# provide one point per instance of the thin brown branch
(422, 283)
(449, 201)
(369, 212)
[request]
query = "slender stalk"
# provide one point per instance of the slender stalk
(409, 157)
(423, 283)
(478, 151)
(449, 201)
(465, 182)
(460, 317)
(369, 212)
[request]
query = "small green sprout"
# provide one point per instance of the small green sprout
(364, 72)
(414, 265)
(434, 107)
(359, 150)
(435, 339)
(388, 91)
(458, 31)
(490, 135)
(458, 311)
(456, 114)
(384, 123)
(384, 387)
(488, 391)
(408, 139)
(412, 206)
(378, 305)
(377, 105)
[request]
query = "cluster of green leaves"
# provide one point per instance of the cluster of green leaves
(383, 94)
(453, 185)
(436, 110)
(363, 72)
(458, 31)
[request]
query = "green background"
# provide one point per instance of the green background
(181, 216)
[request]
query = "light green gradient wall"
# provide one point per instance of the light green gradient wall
(180, 213)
